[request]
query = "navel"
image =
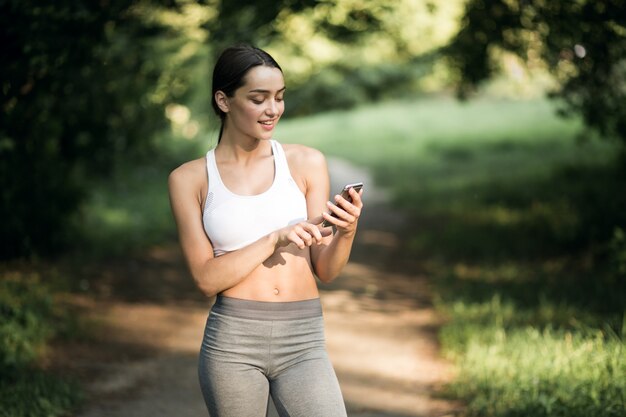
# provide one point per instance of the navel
(276, 291)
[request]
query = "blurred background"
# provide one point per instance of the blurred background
(497, 126)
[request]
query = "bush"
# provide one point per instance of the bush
(25, 321)
(36, 394)
(28, 320)
(69, 111)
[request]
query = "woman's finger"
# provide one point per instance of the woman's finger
(356, 197)
(350, 208)
(314, 231)
(293, 237)
(340, 212)
(306, 237)
(353, 209)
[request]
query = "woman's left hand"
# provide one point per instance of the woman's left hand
(347, 212)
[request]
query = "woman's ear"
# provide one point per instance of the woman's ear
(222, 101)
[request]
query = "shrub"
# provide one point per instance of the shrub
(25, 314)
(28, 320)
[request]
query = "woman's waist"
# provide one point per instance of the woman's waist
(277, 283)
(274, 289)
(267, 310)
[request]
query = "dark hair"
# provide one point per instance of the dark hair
(230, 69)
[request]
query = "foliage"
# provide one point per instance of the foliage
(26, 310)
(82, 84)
(582, 43)
(34, 393)
(344, 86)
(29, 318)
(249, 20)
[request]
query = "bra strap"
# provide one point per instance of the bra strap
(212, 172)
(282, 167)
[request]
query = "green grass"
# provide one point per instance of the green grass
(541, 361)
(521, 225)
(531, 372)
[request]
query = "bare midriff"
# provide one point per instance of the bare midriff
(285, 276)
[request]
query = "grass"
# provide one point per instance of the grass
(534, 362)
(520, 224)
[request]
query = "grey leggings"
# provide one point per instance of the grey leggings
(254, 349)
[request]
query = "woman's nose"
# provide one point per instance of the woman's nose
(272, 108)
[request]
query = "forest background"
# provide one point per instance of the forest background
(98, 96)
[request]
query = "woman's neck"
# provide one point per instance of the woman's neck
(241, 150)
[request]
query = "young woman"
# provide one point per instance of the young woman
(249, 220)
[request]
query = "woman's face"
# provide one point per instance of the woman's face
(256, 106)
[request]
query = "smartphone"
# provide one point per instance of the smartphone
(344, 193)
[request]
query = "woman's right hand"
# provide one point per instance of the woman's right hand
(303, 234)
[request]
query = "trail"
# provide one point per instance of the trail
(380, 329)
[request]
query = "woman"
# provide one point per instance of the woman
(242, 217)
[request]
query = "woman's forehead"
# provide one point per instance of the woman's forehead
(263, 78)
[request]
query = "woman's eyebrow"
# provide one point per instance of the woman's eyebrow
(261, 90)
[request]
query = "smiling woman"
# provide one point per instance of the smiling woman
(258, 104)
(249, 219)
(228, 76)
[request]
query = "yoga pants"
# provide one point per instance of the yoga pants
(252, 350)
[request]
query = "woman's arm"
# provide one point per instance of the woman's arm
(216, 274)
(211, 274)
(331, 256)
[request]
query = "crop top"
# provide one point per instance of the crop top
(232, 221)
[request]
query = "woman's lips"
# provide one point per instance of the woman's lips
(267, 124)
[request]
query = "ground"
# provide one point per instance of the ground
(381, 329)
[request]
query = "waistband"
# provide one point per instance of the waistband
(267, 310)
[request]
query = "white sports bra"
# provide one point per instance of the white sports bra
(232, 221)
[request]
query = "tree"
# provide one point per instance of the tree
(75, 95)
(582, 43)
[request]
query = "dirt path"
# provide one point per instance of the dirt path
(381, 330)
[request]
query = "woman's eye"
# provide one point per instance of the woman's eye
(279, 99)
(257, 101)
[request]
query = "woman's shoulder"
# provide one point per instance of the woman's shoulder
(191, 172)
(303, 156)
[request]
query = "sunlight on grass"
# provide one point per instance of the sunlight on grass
(515, 363)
